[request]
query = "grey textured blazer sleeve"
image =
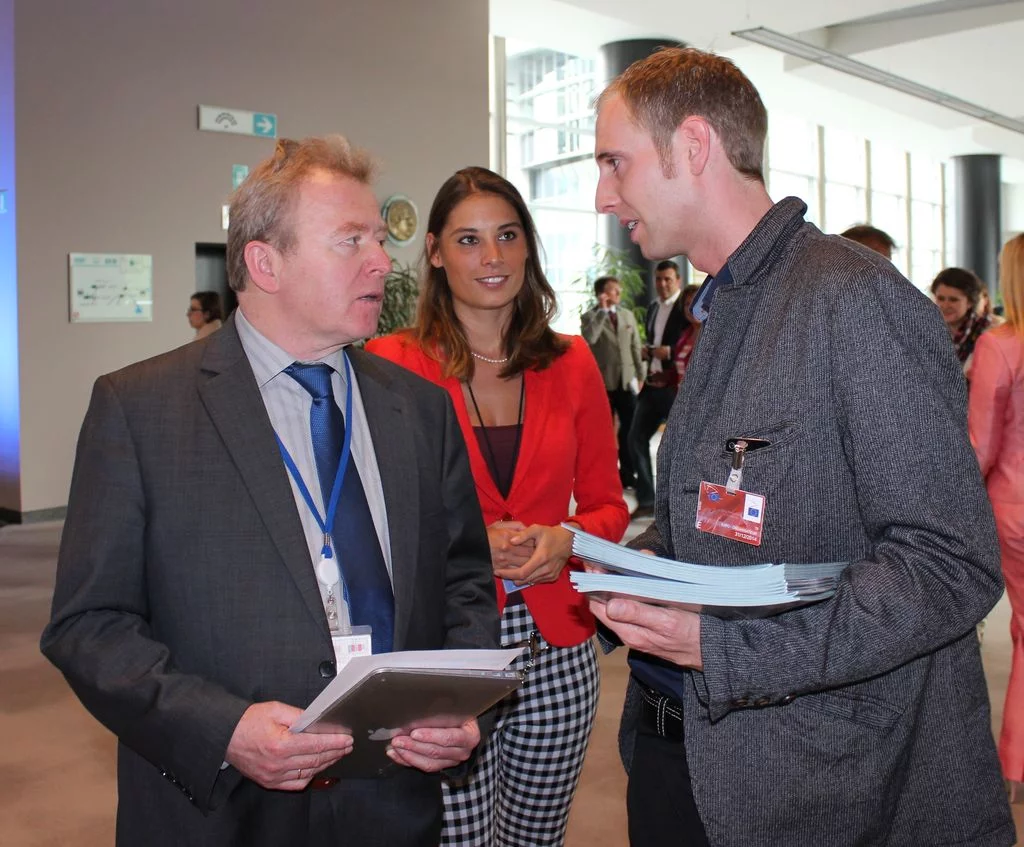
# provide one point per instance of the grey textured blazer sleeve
(100, 636)
(932, 571)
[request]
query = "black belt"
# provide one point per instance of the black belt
(659, 380)
(660, 715)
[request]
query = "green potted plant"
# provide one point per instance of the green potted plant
(401, 289)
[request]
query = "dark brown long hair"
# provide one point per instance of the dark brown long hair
(529, 340)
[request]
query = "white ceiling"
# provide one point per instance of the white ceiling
(973, 49)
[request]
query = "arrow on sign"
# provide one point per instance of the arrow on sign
(264, 125)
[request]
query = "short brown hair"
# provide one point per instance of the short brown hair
(530, 343)
(866, 234)
(966, 282)
(261, 206)
(674, 83)
(209, 304)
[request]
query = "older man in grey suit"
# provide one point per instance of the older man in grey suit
(828, 382)
(613, 337)
(206, 588)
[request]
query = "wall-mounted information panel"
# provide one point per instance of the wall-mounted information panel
(110, 287)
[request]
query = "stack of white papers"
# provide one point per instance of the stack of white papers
(729, 591)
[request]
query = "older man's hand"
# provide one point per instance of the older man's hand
(435, 749)
(263, 748)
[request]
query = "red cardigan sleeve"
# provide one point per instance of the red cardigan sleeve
(600, 508)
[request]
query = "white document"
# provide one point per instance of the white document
(358, 668)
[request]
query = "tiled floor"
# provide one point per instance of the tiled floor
(57, 764)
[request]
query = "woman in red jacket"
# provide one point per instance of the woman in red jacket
(533, 410)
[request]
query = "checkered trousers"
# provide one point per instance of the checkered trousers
(520, 789)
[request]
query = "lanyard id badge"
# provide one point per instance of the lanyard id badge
(348, 640)
(357, 642)
(729, 511)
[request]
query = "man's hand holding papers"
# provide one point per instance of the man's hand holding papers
(654, 604)
(672, 634)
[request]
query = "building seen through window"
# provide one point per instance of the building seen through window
(844, 178)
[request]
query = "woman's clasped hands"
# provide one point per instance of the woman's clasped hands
(528, 555)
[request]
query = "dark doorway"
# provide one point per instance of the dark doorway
(212, 274)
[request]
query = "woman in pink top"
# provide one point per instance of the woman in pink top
(996, 420)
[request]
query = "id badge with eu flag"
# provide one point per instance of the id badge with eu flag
(727, 510)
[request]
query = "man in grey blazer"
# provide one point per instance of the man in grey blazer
(614, 339)
(195, 613)
(863, 719)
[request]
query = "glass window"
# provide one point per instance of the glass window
(845, 161)
(793, 161)
(845, 205)
(792, 145)
(549, 152)
(845, 157)
(888, 169)
(926, 240)
(783, 184)
(926, 179)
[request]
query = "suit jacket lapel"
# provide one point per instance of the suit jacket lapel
(391, 431)
(232, 398)
(718, 353)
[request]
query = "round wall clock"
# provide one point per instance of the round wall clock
(399, 213)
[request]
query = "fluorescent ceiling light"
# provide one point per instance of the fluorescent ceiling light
(846, 65)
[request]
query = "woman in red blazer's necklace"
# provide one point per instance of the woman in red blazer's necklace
(532, 407)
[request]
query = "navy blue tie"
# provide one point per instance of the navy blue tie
(371, 600)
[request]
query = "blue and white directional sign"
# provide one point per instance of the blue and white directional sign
(265, 125)
(238, 121)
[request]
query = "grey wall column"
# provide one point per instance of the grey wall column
(615, 58)
(979, 227)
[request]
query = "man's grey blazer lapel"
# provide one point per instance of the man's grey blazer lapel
(232, 398)
(719, 351)
(392, 433)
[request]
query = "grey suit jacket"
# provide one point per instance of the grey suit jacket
(863, 720)
(185, 591)
(617, 350)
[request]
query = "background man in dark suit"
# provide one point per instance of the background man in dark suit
(664, 323)
(862, 719)
(614, 340)
(195, 611)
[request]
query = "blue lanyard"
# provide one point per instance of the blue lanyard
(325, 523)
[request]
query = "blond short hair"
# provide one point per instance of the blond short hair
(261, 206)
(675, 83)
(1011, 282)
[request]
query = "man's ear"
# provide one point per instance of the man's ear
(261, 260)
(693, 138)
(433, 254)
